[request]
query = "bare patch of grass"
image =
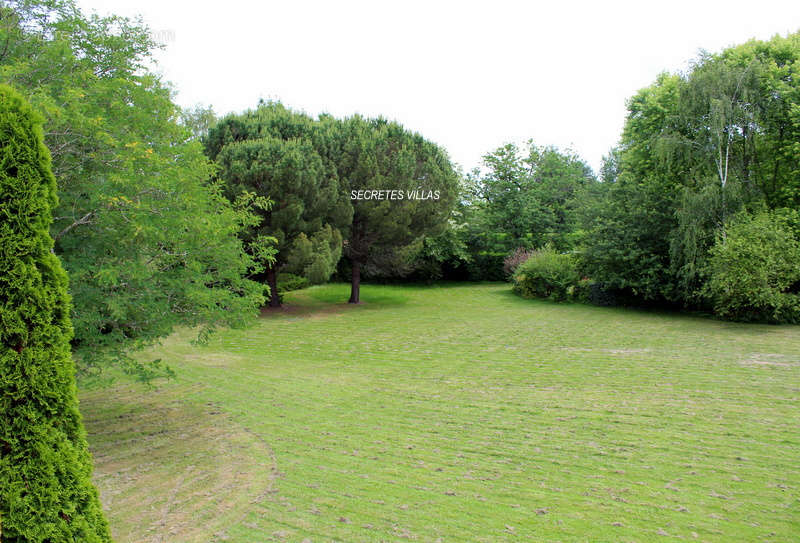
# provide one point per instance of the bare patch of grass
(169, 469)
(770, 359)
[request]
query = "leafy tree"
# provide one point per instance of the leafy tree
(148, 243)
(270, 151)
(199, 120)
(443, 255)
(469, 248)
(46, 492)
(377, 155)
(627, 241)
(523, 198)
(531, 195)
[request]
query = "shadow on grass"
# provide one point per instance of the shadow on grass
(751, 329)
(332, 299)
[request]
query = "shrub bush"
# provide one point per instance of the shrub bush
(548, 274)
(46, 489)
(754, 270)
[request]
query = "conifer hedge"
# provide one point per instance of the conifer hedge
(46, 492)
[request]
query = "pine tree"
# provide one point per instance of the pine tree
(46, 492)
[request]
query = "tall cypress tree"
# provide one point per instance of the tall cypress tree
(46, 492)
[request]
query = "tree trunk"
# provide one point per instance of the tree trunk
(355, 285)
(272, 281)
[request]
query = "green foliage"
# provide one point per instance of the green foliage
(697, 149)
(374, 154)
(272, 151)
(288, 282)
(377, 154)
(315, 258)
(628, 226)
(754, 270)
(445, 253)
(46, 492)
(548, 274)
(148, 243)
(486, 246)
(486, 266)
(199, 120)
(531, 194)
(522, 198)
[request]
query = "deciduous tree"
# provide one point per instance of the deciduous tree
(148, 242)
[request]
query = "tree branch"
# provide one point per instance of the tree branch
(86, 219)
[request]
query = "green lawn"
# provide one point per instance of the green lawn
(458, 413)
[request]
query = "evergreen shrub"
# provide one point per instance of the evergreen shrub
(46, 491)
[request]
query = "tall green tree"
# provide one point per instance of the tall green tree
(270, 151)
(531, 194)
(376, 155)
(627, 243)
(46, 492)
(148, 242)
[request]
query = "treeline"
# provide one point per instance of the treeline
(698, 207)
(523, 198)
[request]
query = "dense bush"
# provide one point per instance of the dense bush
(754, 271)
(46, 490)
(549, 274)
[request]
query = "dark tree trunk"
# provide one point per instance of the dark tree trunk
(272, 281)
(355, 285)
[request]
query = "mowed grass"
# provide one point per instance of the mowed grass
(459, 413)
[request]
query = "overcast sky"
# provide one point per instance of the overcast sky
(469, 76)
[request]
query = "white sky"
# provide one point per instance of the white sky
(469, 76)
